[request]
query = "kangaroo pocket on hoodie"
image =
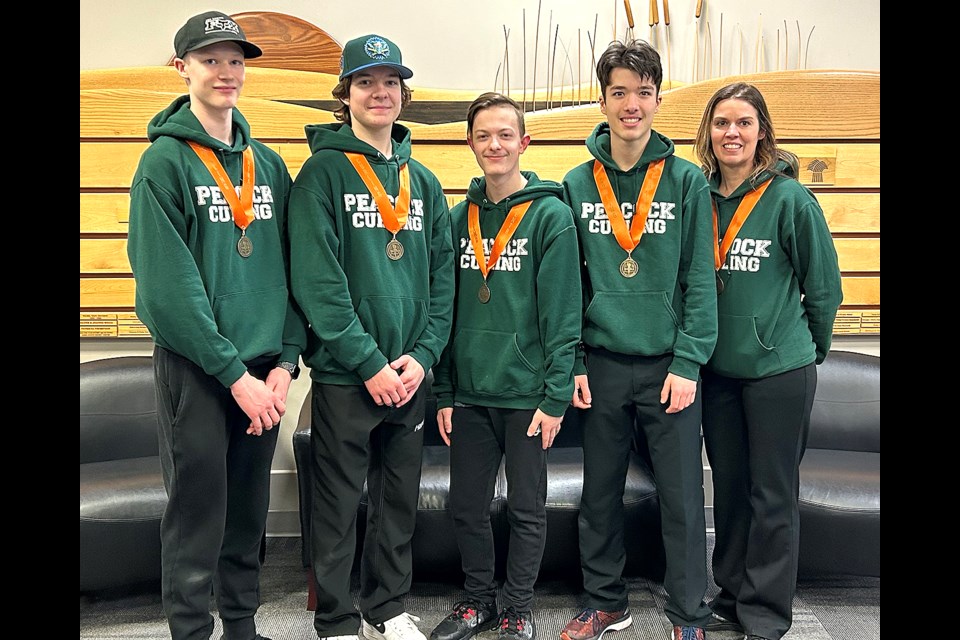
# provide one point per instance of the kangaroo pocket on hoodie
(636, 323)
(240, 320)
(740, 353)
(395, 322)
(491, 363)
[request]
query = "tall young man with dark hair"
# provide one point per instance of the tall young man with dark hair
(505, 381)
(650, 323)
(372, 267)
(208, 249)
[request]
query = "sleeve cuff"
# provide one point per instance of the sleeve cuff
(685, 368)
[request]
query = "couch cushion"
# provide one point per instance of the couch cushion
(841, 480)
(121, 504)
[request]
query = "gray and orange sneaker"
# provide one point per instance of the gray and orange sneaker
(591, 624)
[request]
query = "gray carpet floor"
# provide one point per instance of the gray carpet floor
(824, 609)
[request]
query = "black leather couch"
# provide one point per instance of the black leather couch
(839, 489)
(840, 472)
(435, 552)
(121, 488)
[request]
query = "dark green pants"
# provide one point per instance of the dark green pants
(626, 396)
(353, 440)
(218, 482)
(755, 433)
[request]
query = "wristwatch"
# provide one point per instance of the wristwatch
(290, 368)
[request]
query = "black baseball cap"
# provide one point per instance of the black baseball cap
(210, 28)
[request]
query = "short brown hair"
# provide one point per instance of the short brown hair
(493, 99)
(342, 92)
(637, 56)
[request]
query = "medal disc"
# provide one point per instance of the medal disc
(394, 249)
(245, 246)
(483, 295)
(719, 284)
(628, 268)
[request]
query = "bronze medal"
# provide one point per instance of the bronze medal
(629, 268)
(483, 295)
(394, 249)
(245, 246)
(720, 284)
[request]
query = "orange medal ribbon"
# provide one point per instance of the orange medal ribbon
(506, 231)
(393, 218)
(242, 206)
(736, 223)
(628, 240)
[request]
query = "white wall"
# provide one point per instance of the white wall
(451, 45)
(458, 44)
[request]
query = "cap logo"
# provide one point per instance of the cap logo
(220, 24)
(377, 48)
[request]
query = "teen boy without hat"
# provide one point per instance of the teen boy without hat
(650, 323)
(505, 381)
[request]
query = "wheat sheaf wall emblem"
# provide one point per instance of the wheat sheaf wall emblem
(817, 167)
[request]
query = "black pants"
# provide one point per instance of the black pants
(352, 440)
(481, 436)
(218, 483)
(756, 433)
(626, 396)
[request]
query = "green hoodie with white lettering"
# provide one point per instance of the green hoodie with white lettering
(670, 305)
(517, 350)
(364, 309)
(781, 281)
(195, 293)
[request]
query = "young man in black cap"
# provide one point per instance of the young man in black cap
(372, 266)
(210, 262)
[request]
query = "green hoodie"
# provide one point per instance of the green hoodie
(518, 350)
(364, 309)
(195, 293)
(782, 281)
(670, 306)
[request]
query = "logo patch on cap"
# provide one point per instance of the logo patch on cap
(377, 48)
(220, 24)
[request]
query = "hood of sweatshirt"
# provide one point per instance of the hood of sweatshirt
(535, 188)
(598, 142)
(340, 137)
(178, 121)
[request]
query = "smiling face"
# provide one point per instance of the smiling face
(496, 141)
(734, 133)
(214, 75)
(630, 103)
(375, 99)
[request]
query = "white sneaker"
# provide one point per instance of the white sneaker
(339, 638)
(401, 627)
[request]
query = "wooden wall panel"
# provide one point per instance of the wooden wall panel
(830, 119)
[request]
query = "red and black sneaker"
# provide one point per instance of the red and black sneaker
(516, 625)
(688, 633)
(591, 624)
(467, 619)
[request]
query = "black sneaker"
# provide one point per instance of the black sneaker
(516, 625)
(467, 619)
(719, 623)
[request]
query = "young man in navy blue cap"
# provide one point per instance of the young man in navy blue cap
(372, 267)
(210, 262)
